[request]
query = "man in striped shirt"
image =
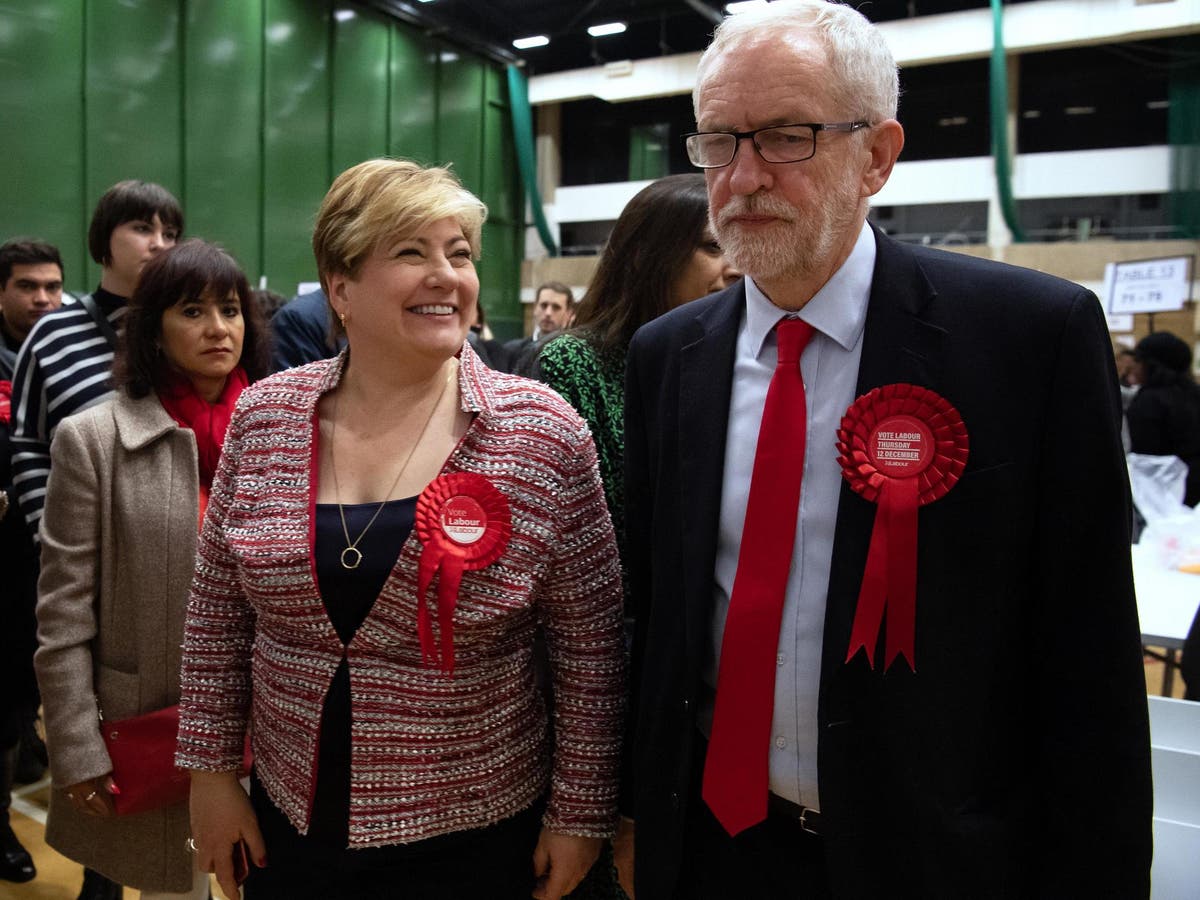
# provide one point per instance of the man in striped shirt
(64, 365)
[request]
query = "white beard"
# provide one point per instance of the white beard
(798, 244)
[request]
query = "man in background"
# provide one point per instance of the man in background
(553, 311)
(302, 332)
(31, 284)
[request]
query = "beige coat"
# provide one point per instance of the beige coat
(118, 552)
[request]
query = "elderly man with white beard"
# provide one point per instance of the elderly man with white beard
(886, 641)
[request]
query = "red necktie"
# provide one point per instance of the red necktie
(735, 773)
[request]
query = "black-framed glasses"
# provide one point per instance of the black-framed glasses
(775, 143)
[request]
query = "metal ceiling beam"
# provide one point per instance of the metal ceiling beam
(705, 10)
(454, 34)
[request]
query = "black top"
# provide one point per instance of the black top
(349, 595)
(10, 342)
(107, 300)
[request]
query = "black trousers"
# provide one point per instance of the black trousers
(773, 860)
(492, 863)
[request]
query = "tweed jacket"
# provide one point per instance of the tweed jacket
(431, 753)
(118, 552)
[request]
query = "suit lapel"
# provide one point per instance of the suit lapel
(705, 385)
(900, 344)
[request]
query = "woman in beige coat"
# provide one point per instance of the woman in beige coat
(127, 488)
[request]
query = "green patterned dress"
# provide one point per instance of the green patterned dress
(594, 384)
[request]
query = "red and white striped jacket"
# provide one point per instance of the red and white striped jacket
(431, 753)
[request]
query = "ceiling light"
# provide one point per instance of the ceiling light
(1157, 104)
(528, 43)
(344, 15)
(1031, 114)
(606, 29)
(1079, 110)
(448, 56)
(951, 121)
(744, 6)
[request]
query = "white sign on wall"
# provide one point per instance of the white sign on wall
(1147, 285)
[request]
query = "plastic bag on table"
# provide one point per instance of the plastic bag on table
(1172, 531)
(1158, 484)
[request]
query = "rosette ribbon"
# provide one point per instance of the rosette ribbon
(900, 446)
(464, 523)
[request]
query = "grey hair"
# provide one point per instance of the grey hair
(864, 82)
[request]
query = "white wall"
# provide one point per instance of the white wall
(1080, 173)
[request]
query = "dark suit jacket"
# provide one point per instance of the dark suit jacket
(521, 355)
(301, 333)
(1015, 761)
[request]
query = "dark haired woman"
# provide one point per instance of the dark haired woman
(123, 504)
(661, 254)
(65, 362)
(1164, 415)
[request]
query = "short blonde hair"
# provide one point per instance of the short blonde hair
(388, 198)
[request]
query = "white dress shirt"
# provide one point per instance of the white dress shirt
(829, 367)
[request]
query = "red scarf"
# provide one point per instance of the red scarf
(208, 421)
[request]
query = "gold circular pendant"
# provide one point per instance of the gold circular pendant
(355, 558)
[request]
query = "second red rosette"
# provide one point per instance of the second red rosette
(900, 446)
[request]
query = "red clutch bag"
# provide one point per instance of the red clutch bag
(142, 750)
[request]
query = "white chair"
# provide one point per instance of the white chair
(1175, 724)
(1175, 755)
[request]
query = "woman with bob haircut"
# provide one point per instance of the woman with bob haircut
(123, 505)
(132, 222)
(387, 530)
(66, 362)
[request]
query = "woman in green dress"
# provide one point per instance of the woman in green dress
(661, 254)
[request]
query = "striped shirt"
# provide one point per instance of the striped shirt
(430, 753)
(65, 365)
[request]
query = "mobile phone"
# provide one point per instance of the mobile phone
(241, 861)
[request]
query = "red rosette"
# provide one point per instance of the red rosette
(900, 446)
(464, 523)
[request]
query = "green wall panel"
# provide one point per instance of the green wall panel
(41, 141)
(460, 122)
(413, 96)
(296, 164)
(360, 88)
(500, 179)
(245, 111)
(500, 273)
(222, 131)
(499, 281)
(132, 97)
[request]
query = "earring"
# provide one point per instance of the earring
(342, 318)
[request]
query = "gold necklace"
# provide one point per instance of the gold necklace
(352, 546)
